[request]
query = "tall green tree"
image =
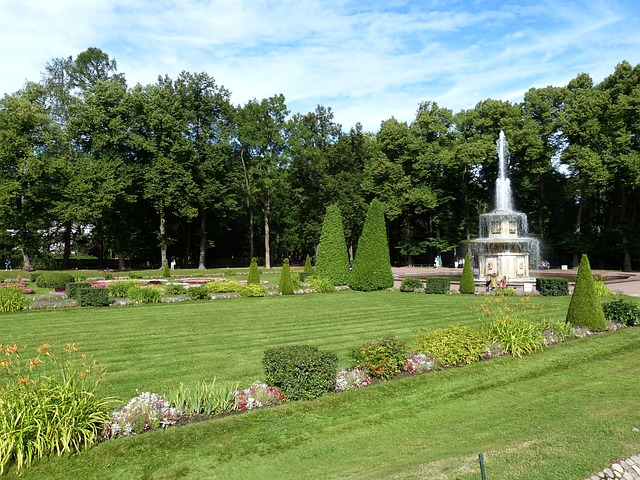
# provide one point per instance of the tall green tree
(332, 259)
(372, 265)
(262, 134)
(209, 118)
(29, 158)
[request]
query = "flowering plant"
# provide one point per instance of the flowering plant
(352, 380)
(145, 412)
(420, 363)
(258, 395)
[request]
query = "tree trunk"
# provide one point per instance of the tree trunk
(247, 186)
(163, 241)
(202, 257)
(100, 246)
(68, 226)
(267, 208)
(26, 262)
(577, 229)
(187, 247)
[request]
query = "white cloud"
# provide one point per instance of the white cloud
(367, 60)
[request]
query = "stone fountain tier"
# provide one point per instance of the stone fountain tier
(503, 248)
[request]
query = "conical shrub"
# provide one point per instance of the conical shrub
(285, 287)
(467, 284)
(332, 260)
(254, 274)
(166, 271)
(585, 309)
(307, 265)
(372, 265)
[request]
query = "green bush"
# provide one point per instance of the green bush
(222, 286)
(622, 311)
(92, 297)
(454, 345)
(72, 288)
(54, 279)
(307, 265)
(410, 284)
(174, 289)
(47, 406)
(254, 274)
(120, 289)
(438, 285)
(252, 290)
(301, 372)
(285, 287)
(13, 300)
(203, 399)
(585, 309)
(552, 287)
(135, 275)
(507, 292)
(515, 335)
(321, 285)
(199, 292)
(467, 283)
(33, 276)
(148, 294)
(381, 358)
(601, 288)
(372, 265)
(166, 270)
(332, 260)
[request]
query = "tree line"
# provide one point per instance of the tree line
(175, 170)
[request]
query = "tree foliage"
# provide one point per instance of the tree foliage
(372, 265)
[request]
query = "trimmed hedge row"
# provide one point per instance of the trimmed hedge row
(552, 287)
(439, 285)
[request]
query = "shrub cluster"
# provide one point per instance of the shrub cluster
(410, 284)
(72, 288)
(12, 299)
(174, 289)
(552, 287)
(622, 311)
(92, 297)
(54, 279)
(438, 285)
(451, 346)
(120, 289)
(228, 286)
(321, 284)
(203, 399)
(199, 292)
(148, 294)
(515, 335)
(301, 372)
(381, 358)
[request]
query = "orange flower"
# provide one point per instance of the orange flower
(81, 374)
(34, 362)
(22, 381)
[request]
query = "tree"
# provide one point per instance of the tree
(332, 259)
(261, 132)
(254, 274)
(467, 283)
(285, 287)
(372, 265)
(30, 165)
(307, 265)
(585, 309)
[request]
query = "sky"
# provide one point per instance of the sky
(368, 60)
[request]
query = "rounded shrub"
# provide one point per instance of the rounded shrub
(467, 283)
(585, 309)
(382, 358)
(285, 287)
(199, 292)
(332, 259)
(54, 279)
(301, 372)
(450, 346)
(410, 284)
(622, 311)
(372, 265)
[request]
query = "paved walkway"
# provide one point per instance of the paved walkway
(627, 283)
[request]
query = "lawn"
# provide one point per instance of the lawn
(563, 413)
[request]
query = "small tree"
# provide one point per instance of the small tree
(467, 284)
(307, 265)
(285, 287)
(332, 260)
(372, 265)
(254, 274)
(585, 309)
(167, 272)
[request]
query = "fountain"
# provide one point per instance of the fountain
(504, 249)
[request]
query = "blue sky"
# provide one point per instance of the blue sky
(367, 60)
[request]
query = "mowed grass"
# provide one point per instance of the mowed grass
(562, 413)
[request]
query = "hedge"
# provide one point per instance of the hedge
(552, 287)
(439, 285)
